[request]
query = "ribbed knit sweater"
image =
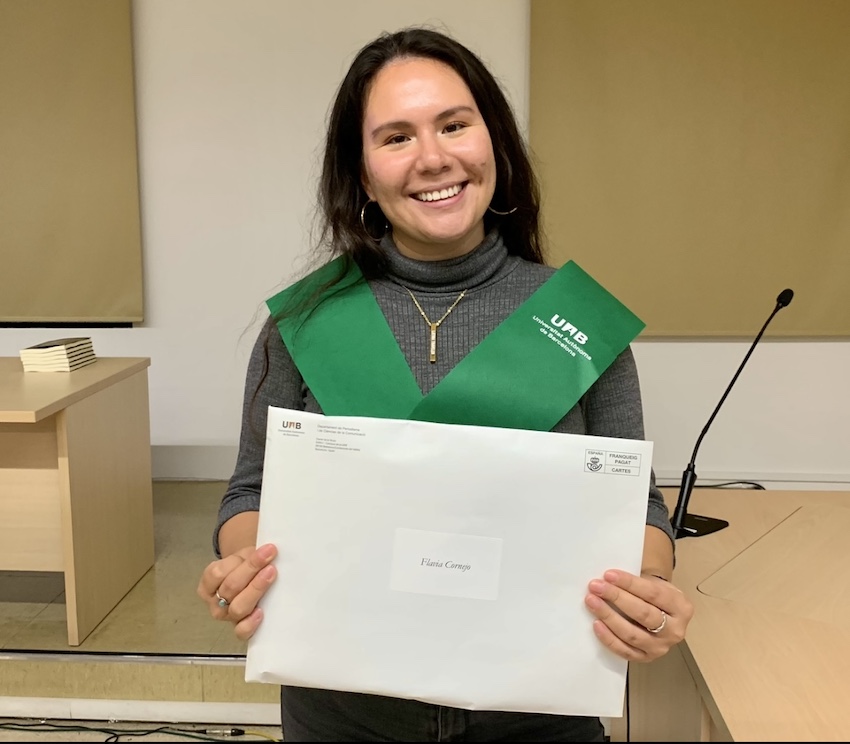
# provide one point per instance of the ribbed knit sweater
(496, 284)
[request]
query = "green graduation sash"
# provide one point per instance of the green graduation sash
(526, 374)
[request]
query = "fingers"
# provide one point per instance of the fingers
(245, 602)
(233, 580)
(246, 627)
(233, 586)
(619, 634)
(645, 610)
(213, 576)
(638, 618)
(630, 592)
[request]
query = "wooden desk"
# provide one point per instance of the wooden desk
(75, 481)
(766, 655)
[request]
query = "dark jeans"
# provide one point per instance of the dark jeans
(325, 715)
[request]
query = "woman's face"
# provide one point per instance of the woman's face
(427, 158)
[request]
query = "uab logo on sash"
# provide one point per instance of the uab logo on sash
(568, 327)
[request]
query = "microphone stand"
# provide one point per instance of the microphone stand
(695, 525)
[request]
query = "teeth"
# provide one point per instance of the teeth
(428, 196)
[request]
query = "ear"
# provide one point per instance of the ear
(364, 182)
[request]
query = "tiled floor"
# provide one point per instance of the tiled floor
(161, 615)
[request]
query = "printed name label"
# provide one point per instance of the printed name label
(446, 564)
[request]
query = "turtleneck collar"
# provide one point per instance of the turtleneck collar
(449, 275)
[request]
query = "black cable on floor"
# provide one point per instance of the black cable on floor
(117, 734)
(749, 485)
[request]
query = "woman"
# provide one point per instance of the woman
(428, 195)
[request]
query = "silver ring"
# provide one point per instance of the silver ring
(663, 623)
(222, 602)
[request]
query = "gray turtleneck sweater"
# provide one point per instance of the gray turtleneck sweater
(496, 284)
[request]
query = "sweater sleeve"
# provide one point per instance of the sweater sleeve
(272, 379)
(612, 408)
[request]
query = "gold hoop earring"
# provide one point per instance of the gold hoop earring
(363, 222)
(501, 214)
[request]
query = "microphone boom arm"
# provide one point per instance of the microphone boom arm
(692, 525)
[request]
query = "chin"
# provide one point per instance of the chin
(448, 235)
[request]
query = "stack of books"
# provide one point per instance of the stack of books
(59, 355)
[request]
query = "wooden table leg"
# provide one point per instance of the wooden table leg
(106, 500)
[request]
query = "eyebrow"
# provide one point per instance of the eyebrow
(401, 124)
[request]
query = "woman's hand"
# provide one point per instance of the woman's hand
(638, 617)
(234, 585)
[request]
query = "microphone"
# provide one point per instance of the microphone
(694, 525)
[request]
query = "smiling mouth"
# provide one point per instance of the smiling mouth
(440, 194)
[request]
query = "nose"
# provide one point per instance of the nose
(433, 157)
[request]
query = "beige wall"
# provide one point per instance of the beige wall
(231, 101)
(694, 158)
(69, 185)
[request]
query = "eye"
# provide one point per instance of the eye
(397, 139)
(454, 126)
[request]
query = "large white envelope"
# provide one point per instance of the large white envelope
(445, 563)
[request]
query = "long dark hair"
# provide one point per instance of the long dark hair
(341, 193)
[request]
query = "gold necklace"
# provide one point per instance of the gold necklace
(435, 325)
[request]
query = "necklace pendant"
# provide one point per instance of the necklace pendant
(433, 342)
(434, 326)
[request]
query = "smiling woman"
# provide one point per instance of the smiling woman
(431, 169)
(430, 211)
(476, 102)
